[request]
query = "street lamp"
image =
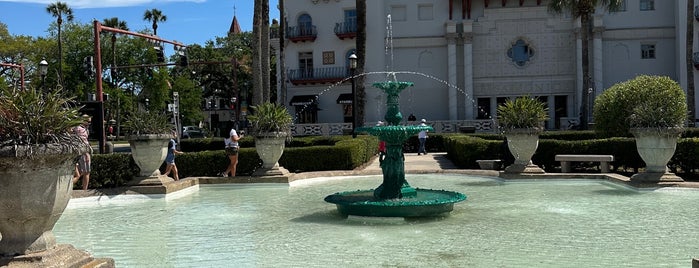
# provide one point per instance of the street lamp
(43, 70)
(353, 67)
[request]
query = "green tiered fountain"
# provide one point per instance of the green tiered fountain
(394, 197)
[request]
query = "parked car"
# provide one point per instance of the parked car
(192, 132)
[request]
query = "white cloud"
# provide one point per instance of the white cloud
(77, 4)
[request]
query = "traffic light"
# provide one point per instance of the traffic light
(159, 53)
(184, 62)
(88, 65)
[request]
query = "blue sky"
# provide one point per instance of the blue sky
(188, 21)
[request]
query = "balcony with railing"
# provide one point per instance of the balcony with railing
(328, 75)
(347, 29)
(302, 33)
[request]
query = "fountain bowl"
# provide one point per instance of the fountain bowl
(426, 203)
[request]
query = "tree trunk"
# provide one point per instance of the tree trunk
(282, 64)
(690, 64)
(584, 101)
(257, 95)
(60, 55)
(361, 56)
(264, 53)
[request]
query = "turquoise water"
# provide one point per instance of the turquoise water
(502, 224)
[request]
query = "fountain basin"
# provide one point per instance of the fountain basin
(425, 203)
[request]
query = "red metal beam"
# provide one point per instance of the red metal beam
(99, 28)
(451, 8)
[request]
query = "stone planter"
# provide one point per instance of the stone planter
(270, 148)
(656, 147)
(522, 144)
(149, 152)
(34, 191)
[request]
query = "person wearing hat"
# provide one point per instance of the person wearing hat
(83, 167)
(422, 137)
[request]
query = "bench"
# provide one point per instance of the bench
(565, 160)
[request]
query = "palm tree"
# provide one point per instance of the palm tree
(690, 71)
(265, 51)
(154, 16)
(257, 88)
(583, 9)
(361, 59)
(114, 22)
(282, 59)
(58, 10)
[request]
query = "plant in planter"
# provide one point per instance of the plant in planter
(37, 159)
(521, 120)
(148, 134)
(655, 111)
(271, 127)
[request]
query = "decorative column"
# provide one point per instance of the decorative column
(469, 99)
(451, 70)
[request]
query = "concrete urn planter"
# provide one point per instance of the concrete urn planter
(656, 147)
(522, 144)
(149, 152)
(270, 148)
(35, 187)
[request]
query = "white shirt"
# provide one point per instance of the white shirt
(229, 141)
(422, 134)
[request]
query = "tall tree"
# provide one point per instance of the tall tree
(154, 16)
(691, 105)
(265, 52)
(361, 59)
(58, 10)
(583, 9)
(257, 90)
(282, 59)
(114, 22)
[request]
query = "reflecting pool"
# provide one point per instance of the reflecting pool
(531, 223)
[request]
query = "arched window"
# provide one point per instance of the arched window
(305, 25)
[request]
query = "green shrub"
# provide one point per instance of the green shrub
(645, 101)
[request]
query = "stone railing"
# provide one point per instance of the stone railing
(326, 129)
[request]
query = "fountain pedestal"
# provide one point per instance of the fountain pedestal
(394, 197)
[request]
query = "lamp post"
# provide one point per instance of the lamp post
(353, 68)
(43, 70)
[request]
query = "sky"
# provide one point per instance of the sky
(188, 21)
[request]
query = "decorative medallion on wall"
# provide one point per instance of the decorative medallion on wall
(520, 53)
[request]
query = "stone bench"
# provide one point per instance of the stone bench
(491, 164)
(603, 160)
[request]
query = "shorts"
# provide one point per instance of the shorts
(231, 150)
(84, 163)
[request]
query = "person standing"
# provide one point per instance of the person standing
(232, 148)
(170, 158)
(83, 167)
(382, 144)
(422, 137)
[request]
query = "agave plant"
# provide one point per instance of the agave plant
(522, 112)
(30, 117)
(147, 122)
(270, 119)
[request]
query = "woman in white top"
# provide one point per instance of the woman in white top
(232, 152)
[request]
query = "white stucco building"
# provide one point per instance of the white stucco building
(466, 56)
